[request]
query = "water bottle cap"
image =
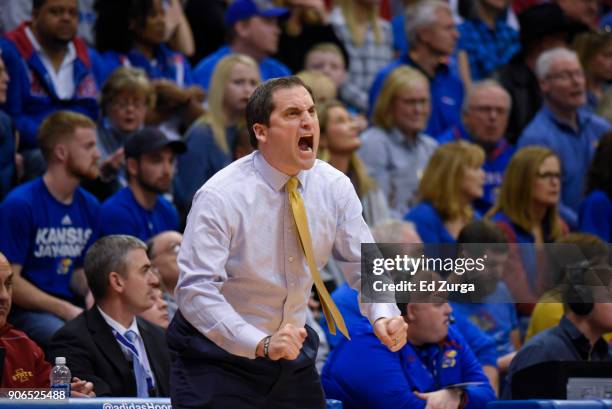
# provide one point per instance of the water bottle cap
(60, 360)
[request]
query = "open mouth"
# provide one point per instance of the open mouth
(305, 143)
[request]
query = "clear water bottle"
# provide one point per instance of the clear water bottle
(60, 376)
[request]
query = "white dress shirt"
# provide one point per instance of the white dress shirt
(62, 79)
(142, 352)
(242, 271)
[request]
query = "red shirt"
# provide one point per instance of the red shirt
(24, 362)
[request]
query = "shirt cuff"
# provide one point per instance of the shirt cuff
(375, 311)
(245, 344)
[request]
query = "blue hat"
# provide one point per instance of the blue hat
(245, 9)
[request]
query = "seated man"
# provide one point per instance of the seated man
(140, 210)
(484, 119)
(253, 31)
(57, 71)
(122, 354)
(163, 250)
(491, 307)
(47, 226)
(24, 363)
(419, 375)
(578, 337)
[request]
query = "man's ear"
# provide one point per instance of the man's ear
(241, 28)
(61, 153)
(131, 165)
(261, 133)
(115, 281)
(410, 316)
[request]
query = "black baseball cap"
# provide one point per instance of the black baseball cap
(149, 140)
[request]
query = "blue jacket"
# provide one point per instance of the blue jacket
(168, 65)
(494, 166)
(201, 161)
(446, 95)
(364, 374)
(346, 301)
(37, 95)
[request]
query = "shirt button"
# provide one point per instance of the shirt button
(290, 259)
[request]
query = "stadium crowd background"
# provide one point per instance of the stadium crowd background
(444, 115)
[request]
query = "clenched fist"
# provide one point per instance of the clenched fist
(285, 343)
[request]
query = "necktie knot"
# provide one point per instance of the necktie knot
(131, 336)
(292, 184)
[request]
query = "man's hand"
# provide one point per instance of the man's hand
(391, 332)
(286, 343)
(442, 399)
(81, 389)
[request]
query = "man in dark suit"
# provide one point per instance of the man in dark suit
(123, 355)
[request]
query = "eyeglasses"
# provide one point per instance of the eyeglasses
(549, 175)
(567, 75)
(487, 109)
(125, 103)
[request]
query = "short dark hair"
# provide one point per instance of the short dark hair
(260, 105)
(37, 4)
(108, 254)
(485, 235)
(600, 174)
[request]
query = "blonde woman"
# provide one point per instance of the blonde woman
(395, 150)
(368, 42)
(338, 146)
(527, 212)
(452, 180)
(211, 139)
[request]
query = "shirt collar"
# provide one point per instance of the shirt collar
(441, 68)
(68, 58)
(398, 137)
(581, 343)
(274, 177)
(116, 326)
(580, 118)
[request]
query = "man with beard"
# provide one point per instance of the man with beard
(484, 119)
(58, 72)
(48, 224)
(139, 209)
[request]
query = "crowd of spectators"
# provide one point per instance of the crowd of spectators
(484, 121)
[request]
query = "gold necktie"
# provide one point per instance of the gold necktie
(332, 315)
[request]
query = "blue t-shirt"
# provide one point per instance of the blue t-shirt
(46, 237)
(494, 167)
(596, 215)
(575, 148)
(121, 214)
(364, 374)
(345, 299)
(495, 318)
(268, 67)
